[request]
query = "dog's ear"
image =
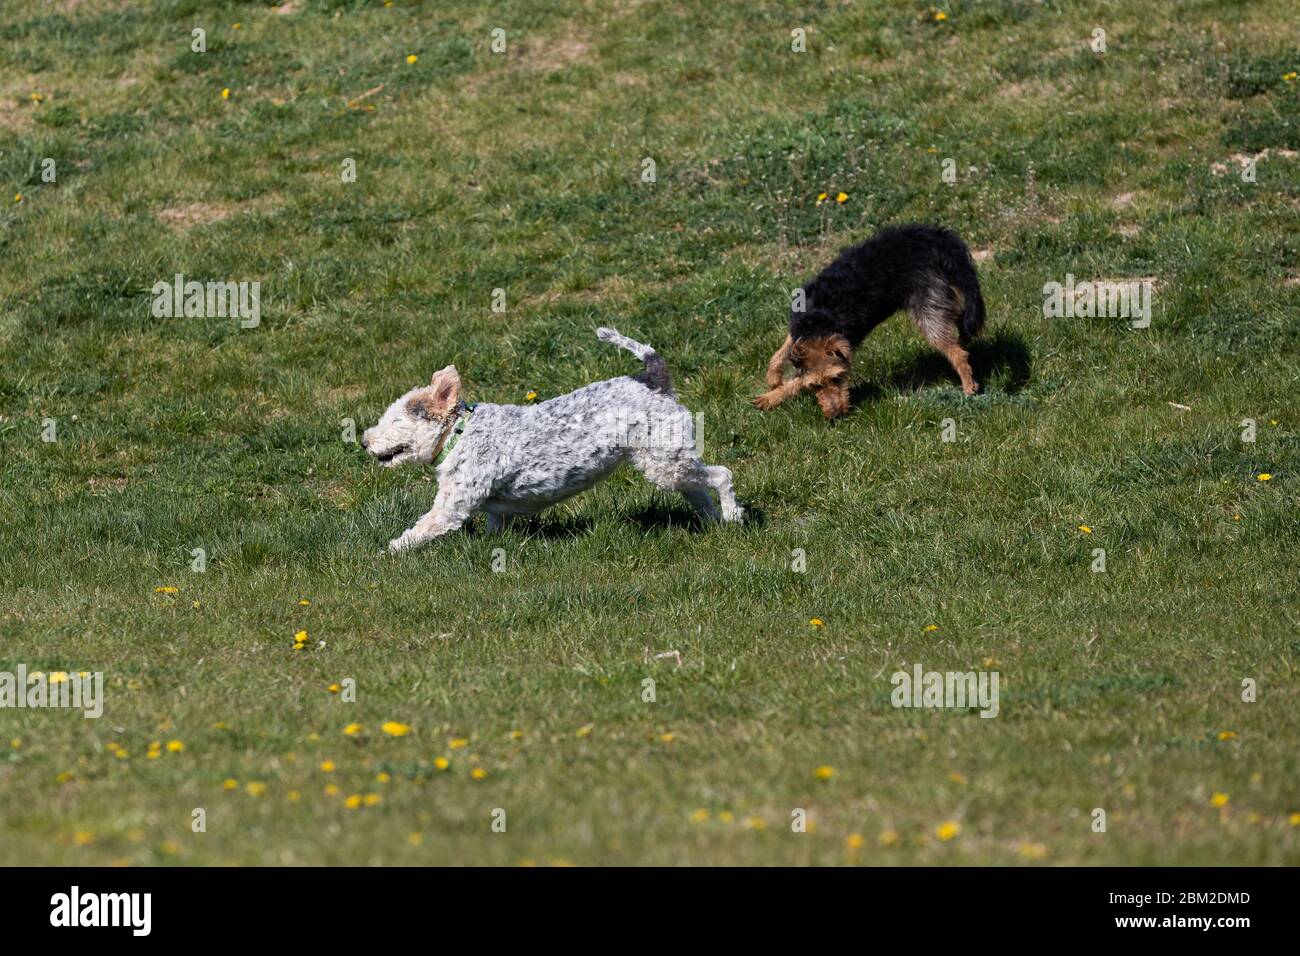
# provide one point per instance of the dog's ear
(446, 388)
(442, 395)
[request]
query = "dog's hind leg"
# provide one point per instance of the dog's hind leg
(677, 469)
(776, 364)
(937, 313)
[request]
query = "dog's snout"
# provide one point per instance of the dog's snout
(365, 441)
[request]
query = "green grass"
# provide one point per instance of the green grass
(522, 171)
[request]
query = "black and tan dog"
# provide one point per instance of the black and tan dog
(925, 269)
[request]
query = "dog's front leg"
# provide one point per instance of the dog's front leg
(769, 400)
(449, 513)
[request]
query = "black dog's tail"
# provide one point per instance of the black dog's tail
(655, 377)
(960, 268)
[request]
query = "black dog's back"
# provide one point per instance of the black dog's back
(897, 268)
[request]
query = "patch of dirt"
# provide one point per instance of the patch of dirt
(288, 9)
(550, 56)
(193, 214)
(1243, 159)
(345, 393)
(981, 255)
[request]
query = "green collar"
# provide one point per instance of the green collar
(454, 436)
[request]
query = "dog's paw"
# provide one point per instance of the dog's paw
(733, 515)
(974, 387)
(397, 546)
(766, 402)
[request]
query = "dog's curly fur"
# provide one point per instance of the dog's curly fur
(925, 269)
(520, 459)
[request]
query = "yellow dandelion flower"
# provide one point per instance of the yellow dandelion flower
(478, 773)
(1084, 529)
(1265, 476)
(352, 729)
(383, 777)
(411, 58)
(175, 747)
(442, 763)
(1219, 800)
(293, 796)
(1289, 77)
(18, 197)
(824, 772)
(1032, 851)
(821, 198)
(371, 799)
(395, 729)
(83, 838)
(584, 731)
(1227, 734)
(841, 198)
(854, 841)
(65, 777)
(726, 816)
(816, 622)
(153, 755)
(303, 602)
(225, 93)
(947, 830)
(531, 397)
(957, 777)
(236, 26)
(37, 97)
(16, 743)
(1294, 819)
(415, 839)
(700, 816)
(932, 627)
(755, 823)
(300, 637)
(334, 688)
(667, 738)
(889, 838)
(331, 789)
(516, 735)
(353, 801)
(940, 16)
(455, 743)
(165, 589)
(230, 784)
(327, 766)
(255, 788)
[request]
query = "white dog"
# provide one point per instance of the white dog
(511, 459)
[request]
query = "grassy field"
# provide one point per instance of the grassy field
(523, 689)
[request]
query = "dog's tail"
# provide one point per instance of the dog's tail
(655, 377)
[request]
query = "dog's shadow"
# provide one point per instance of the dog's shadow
(1001, 359)
(663, 514)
